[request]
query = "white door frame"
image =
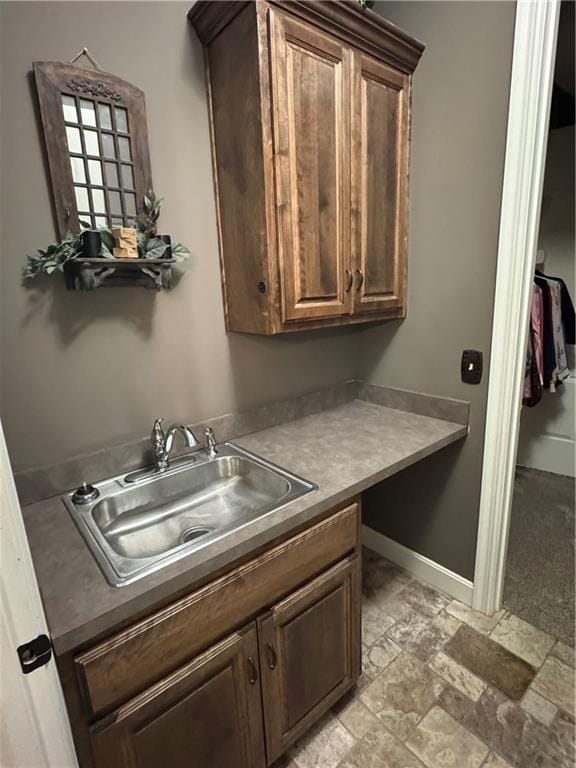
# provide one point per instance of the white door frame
(34, 727)
(533, 61)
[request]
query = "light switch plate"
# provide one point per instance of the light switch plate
(471, 367)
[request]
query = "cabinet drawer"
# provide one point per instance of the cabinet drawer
(133, 659)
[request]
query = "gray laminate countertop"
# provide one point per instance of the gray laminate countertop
(344, 450)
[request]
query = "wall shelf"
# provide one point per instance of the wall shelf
(83, 274)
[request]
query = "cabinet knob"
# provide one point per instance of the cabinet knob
(272, 658)
(349, 280)
(252, 671)
(360, 279)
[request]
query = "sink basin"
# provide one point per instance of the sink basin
(143, 521)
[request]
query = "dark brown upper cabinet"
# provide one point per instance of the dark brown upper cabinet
(97, 145)
(309, 107)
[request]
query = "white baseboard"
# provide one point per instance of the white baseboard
(422, 567)
(549, 454)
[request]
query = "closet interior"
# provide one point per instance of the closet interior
(539, 584)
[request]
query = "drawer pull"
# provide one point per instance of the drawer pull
(252, 671)
(272, 658)
(349, 280)
(360, 279)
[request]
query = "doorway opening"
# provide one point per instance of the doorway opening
(539, 582)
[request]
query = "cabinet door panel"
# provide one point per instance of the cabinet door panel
(309, 653)
(311, 99)
(379, 184)
(206, 715)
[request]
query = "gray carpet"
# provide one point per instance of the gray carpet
(539, 581)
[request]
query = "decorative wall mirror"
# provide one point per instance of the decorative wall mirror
(97, 143)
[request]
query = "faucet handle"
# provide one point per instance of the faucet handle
(210, 441)
(158, 436)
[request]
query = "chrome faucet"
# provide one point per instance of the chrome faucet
(162, 442)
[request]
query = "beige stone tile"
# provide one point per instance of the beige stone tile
(417, 597)
(358, 719)
(563, 730)
(480, 621)
(402, 694)
(539, 707)
(416, 633)
(374, 622)
(523, 639)
(500, 723)
(369, 670)
(558, 749)
(564, 652)
(382, 653)
(446, 623)
(325, 746)
(495, 761)
(375, 659)
(555, 681)
(458, 676)
(379, 749)
(441, 742)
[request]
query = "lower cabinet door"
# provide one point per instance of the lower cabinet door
(310, 653)
(208, 714)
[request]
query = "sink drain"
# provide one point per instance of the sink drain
(194, 533)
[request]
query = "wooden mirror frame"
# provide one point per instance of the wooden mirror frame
(55, 79)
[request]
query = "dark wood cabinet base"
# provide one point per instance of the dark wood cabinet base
(233, 674)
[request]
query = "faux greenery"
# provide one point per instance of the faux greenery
(148, 219)
(150, 246)
(53, 258)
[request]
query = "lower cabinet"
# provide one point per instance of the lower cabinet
(208, 713)
(169, 692)
(309, 654)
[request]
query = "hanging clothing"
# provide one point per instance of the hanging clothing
(548, 346)
(534, 372)
(562, 371)
(567, 309)
(560, 309)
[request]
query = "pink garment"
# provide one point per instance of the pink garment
(534, 371)
(537, 322)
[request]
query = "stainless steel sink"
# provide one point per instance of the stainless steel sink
(146, 520)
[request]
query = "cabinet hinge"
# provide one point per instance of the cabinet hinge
(35, 654)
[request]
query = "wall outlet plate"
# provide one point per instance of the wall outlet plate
(471, 366)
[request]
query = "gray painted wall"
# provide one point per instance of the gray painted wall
(82, 371)
(460, 104)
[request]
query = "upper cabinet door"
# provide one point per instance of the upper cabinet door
(311, 126)
(379, 185)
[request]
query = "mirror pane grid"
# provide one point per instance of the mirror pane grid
(100, 152)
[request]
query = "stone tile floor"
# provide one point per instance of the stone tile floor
(445, 687)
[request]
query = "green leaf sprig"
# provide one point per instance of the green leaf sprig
(149, 245)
